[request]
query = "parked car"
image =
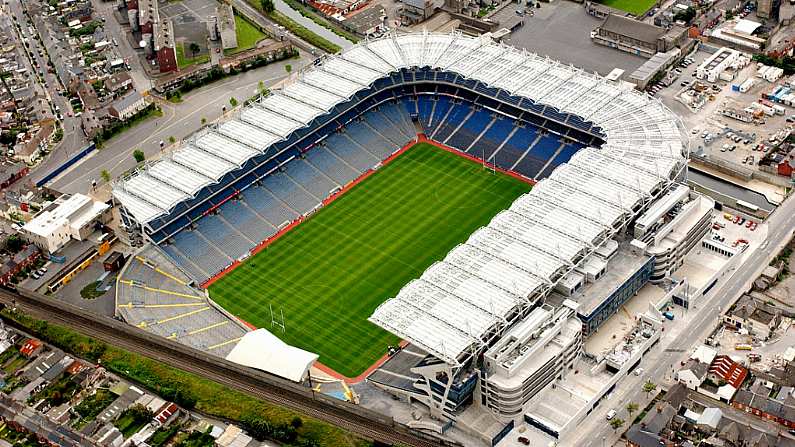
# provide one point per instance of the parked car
(611, 414)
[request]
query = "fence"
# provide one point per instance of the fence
(68, 163)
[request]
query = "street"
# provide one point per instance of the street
(664, 359)
(178, 121)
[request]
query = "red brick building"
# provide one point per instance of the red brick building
(26, 257)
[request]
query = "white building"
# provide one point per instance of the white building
(127, 106)
(712, 67)
(67, 218)
(526, 359)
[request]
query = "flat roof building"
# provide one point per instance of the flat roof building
(72, 217)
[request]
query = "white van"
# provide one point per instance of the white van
(610, 414)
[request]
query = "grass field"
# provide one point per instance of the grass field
(184, 61)
(635, 7)
(247, 35)
(332, 271)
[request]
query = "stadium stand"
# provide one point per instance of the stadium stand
(282, 155)
(155, 295)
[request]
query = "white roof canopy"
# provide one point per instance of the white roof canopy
(264, 351)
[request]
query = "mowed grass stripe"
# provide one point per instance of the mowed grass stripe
(331, 272)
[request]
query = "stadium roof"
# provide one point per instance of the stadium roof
(644, 145)
(264, 351)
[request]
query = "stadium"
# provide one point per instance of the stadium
(430, 188)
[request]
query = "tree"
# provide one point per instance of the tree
(297, 422)
(172, 140)
(648, 387)
(288, 68)
(631, 408)
(233, 101)
(105, 175)
(14, 243)
(267, 6)
(139, 155)
(616, 423)
(194, 48)
(204, 121)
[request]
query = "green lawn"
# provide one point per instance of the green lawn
(635, 7)
(247, 35)
(184, 61)
(330, 273)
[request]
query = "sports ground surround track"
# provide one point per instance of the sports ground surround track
(243, 379)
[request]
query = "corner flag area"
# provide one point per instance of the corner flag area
(327, 275)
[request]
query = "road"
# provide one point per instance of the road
(250, 381)
(701, 321)
(178, 120)
(49, 85)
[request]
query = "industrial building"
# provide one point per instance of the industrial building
(636, 37)
(69, 217)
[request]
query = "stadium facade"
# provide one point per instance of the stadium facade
(603, 154)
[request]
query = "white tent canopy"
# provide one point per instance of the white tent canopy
(264, 351)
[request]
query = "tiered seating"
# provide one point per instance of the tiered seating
(323, 160)
(246, 221)
(263, 203)
(515, 148)
(539, 155)
(454, 118)
(312, 180)
(467, 133)
(199, 252)
(563, 156)
(345, 149)
(492, 138)
(372, 142)
(424, 106)
(398, 115)
(443, 104)
(386, 128)
(226, 239)
(290, 193)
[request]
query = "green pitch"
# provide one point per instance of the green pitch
(635, 7)
(333, 270)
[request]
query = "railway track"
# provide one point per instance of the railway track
(214, 368)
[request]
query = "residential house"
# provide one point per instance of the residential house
(653, 429)
(25, 258)
(768, 401)
(692, 374)
(10, 172)
(759, 319)
(127, 106)
(119, 82)
(30, 347)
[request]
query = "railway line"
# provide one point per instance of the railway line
(255, 383)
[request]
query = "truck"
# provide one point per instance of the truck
(668, 314)
(743, 347)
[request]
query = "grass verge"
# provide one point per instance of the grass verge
(247, 35)
(185, 61)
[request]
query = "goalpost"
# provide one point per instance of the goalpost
(275, 322)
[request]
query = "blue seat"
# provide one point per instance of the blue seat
(290, 193)
(466, 134)
(454, 118)
(492, 138)
(262, 202)
(246, 221)
(346, 150)
(323, 160)
(310, 178)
